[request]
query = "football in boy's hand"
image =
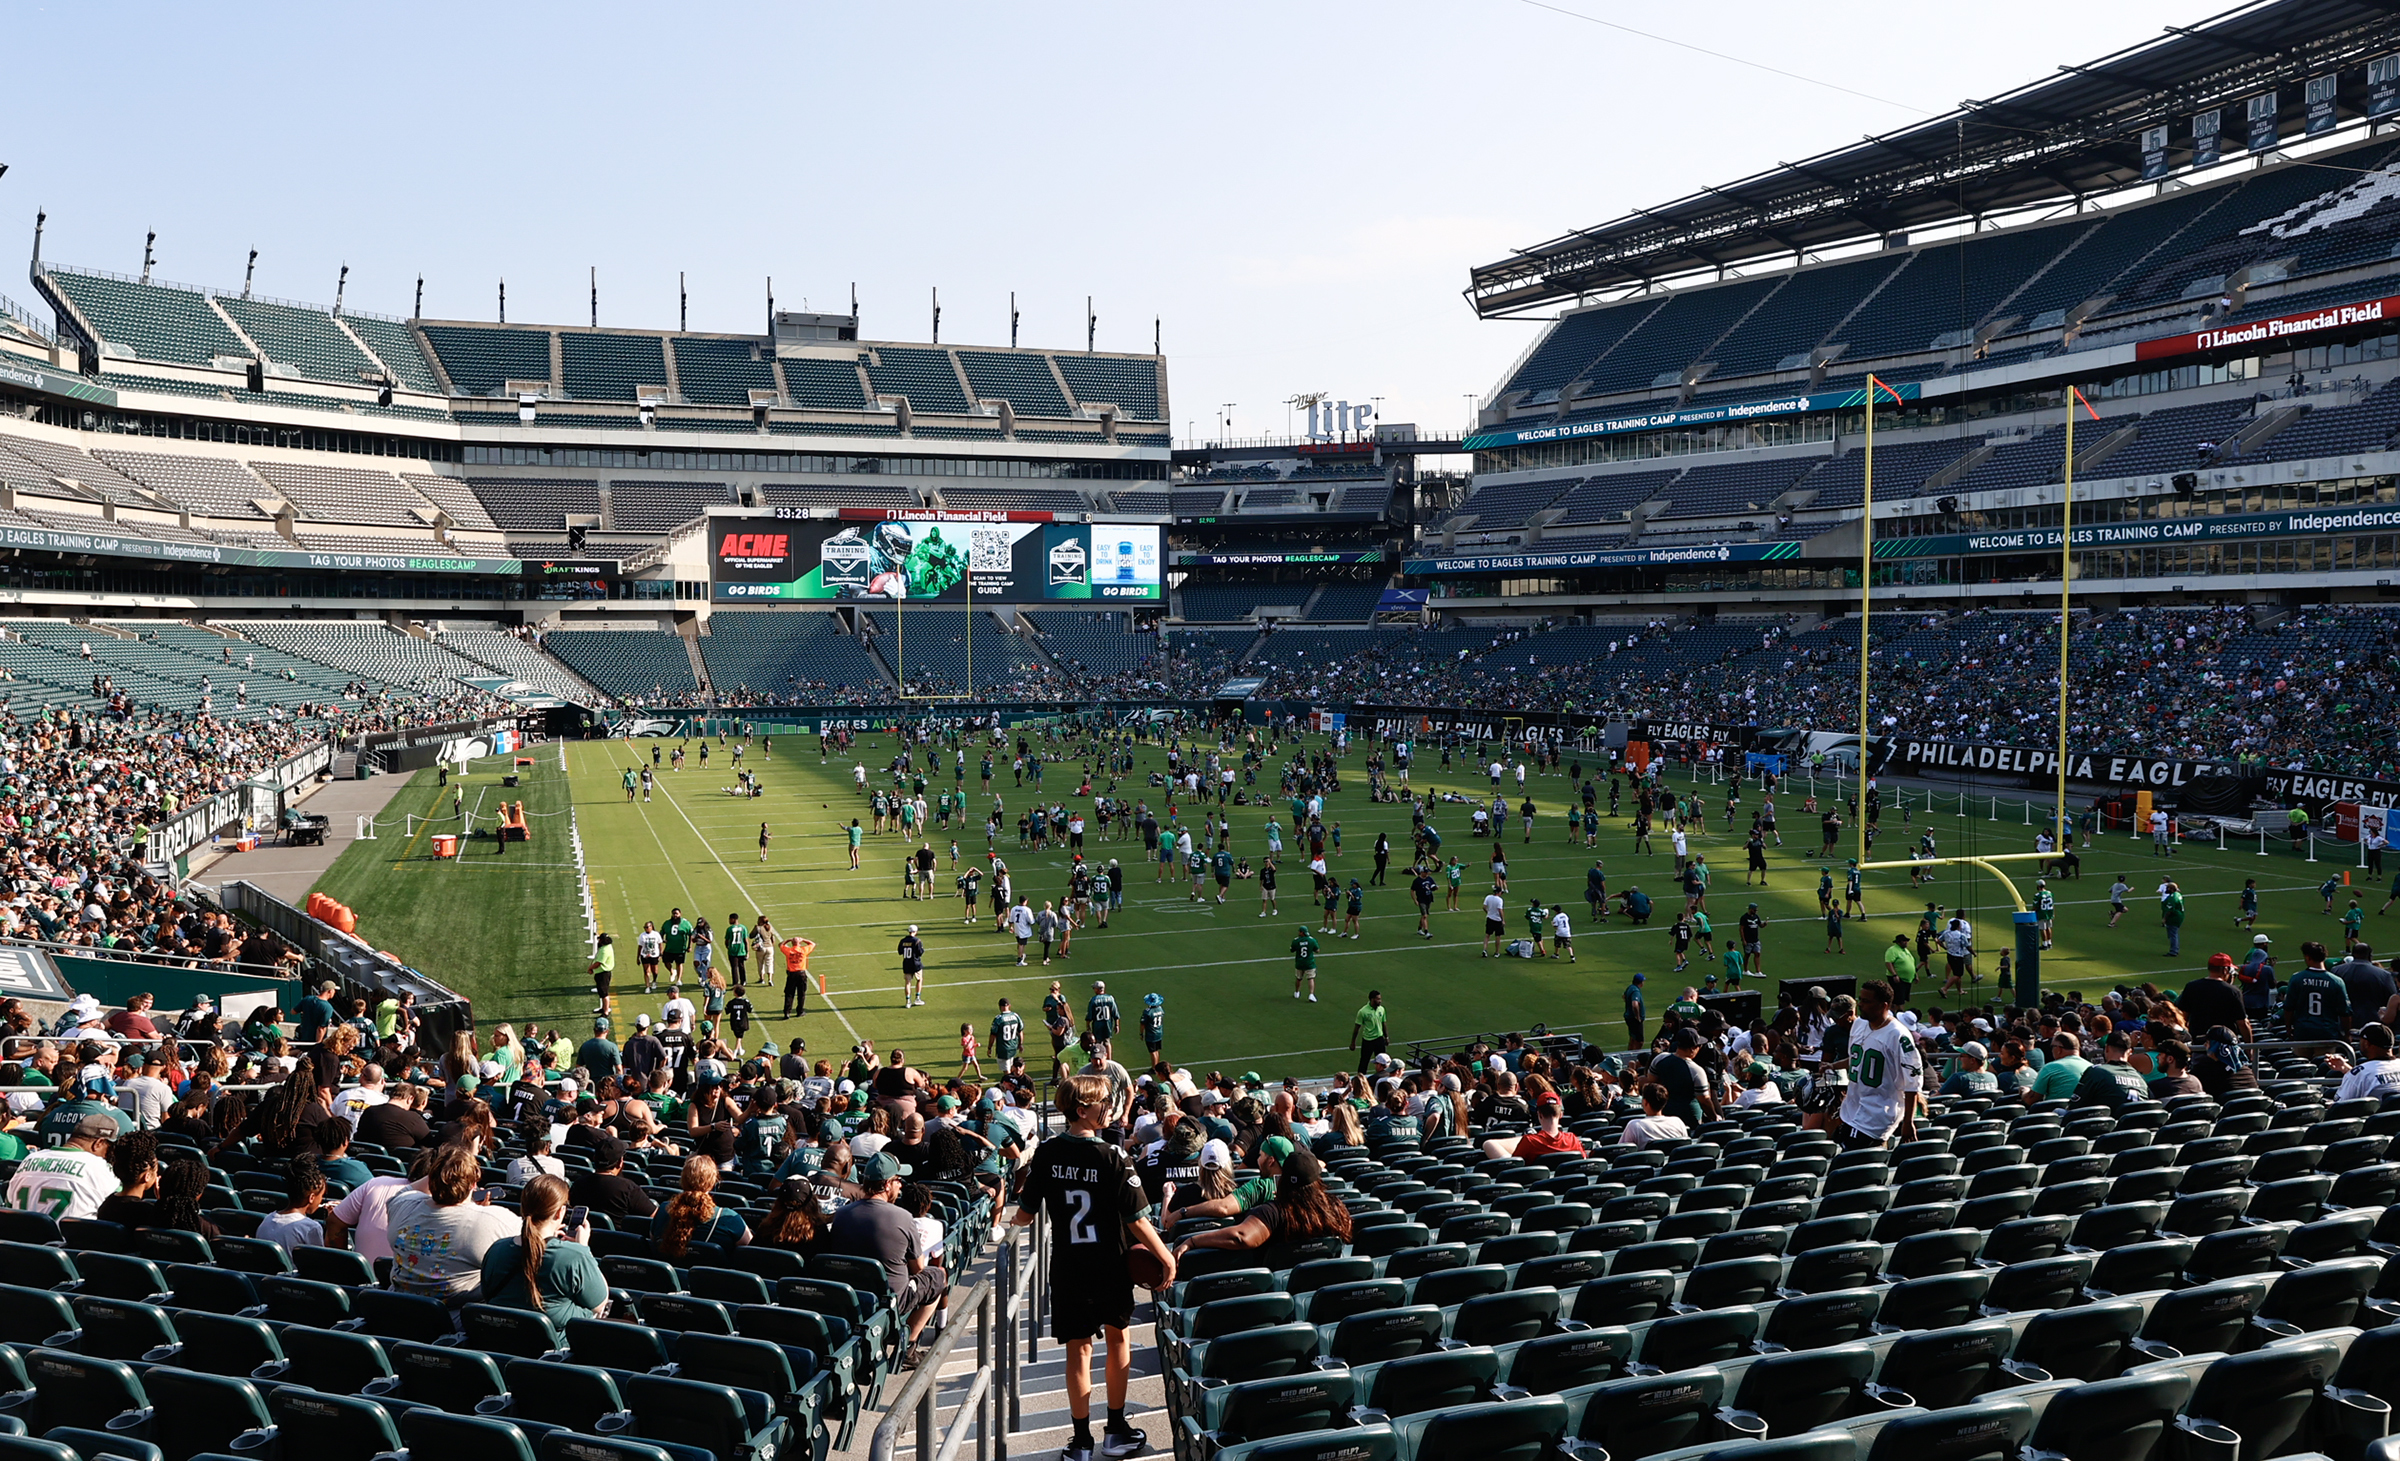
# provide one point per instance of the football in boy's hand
(1143, 1265)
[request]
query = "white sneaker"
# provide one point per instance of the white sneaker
(1312, 999)
(1295, 994)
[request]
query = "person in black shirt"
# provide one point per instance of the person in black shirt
(2212, 999)
(395, 1124)
(606, 1188)
(1097, 1213)
(912, 968)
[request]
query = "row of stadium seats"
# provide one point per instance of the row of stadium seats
(1759, 1292)
(2139, 257)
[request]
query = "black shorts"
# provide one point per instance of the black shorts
(1082, 1303)
(1493, 926)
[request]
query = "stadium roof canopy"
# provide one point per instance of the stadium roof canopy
(2053, 141)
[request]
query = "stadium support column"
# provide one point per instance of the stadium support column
(2029, 958)
(1866, 601)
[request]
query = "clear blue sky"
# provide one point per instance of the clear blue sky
(1297, 191)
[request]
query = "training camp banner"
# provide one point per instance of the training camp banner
(920, 558)
(1792, 405)
(2313, 522)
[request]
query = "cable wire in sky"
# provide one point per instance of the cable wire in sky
(1723, 56)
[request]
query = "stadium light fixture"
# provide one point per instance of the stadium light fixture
(249, 271)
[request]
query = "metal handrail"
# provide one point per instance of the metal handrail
(991, 1403)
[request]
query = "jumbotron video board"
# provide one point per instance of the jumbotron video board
(1015, 558)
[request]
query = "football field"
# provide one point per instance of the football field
(507, 929)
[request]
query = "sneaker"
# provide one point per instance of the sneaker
(1076, 1451)
(915, 1356)
(1295, 994)
(1116, 1445)
(1312, 999)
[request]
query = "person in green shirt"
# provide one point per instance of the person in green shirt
(2353, 918)
(387, 1017)
(2170, 913)
(2064, 1071)
(545, 1266)
(1899, 964)
(1688, 1006)
(1732, 959)
(675, 936)
(1367, 1031)
(1304, 964)
(58, 1123)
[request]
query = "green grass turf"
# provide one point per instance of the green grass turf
(507, 933)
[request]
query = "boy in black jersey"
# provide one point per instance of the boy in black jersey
(1097, 1213)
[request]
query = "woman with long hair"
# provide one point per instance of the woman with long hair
(229, 1115)
(546, 1266)
(1301, 1209)
(796, 1223)
(460, 1059)
(692, 1215)
(1342, 1128)
(439, 1235)
(474, 1127)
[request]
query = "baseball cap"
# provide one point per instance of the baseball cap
(1212, 1098)
(912, 928)
(641, 1022)
(2220, 961)
(1214, 1153)
(102, 1126)
(466, 1085)
(1250, 1078)
(2260, 941)
(1975, 1048)
(1549, 1101)
(947, 1103)
(600, 1025)
(1278, 1147)
(491, 1070)
(1637, 978)
(2376, 1033)
(568, 1087)
(881, 1168)
(1382, 1059)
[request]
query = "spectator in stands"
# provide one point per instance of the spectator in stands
(287, 1122)
(545, 1265)
(875, 1227)
(146, 1097)
(180, 1189)
(2221, 1064)
(536, 1159)
(316, 1014)
(135, 1161)
(796, 1223)
(70, 1180)
(438, 1236)
(1654, 1124)
(395, 1124)
(133, 1021)
(295, 1224)
(1300, 1209)
(693, 1216)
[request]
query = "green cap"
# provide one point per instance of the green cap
(466, 1085)
(1278, 1147)
(1250, 1078)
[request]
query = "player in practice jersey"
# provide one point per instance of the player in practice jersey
(1097, 1213)
(1887, 1075)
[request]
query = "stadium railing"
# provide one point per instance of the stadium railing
(359, 968)
(1004, 1312)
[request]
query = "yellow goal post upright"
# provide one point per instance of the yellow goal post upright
(2028, 984)
(900, 645)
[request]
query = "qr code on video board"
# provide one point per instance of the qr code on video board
(991, 551)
